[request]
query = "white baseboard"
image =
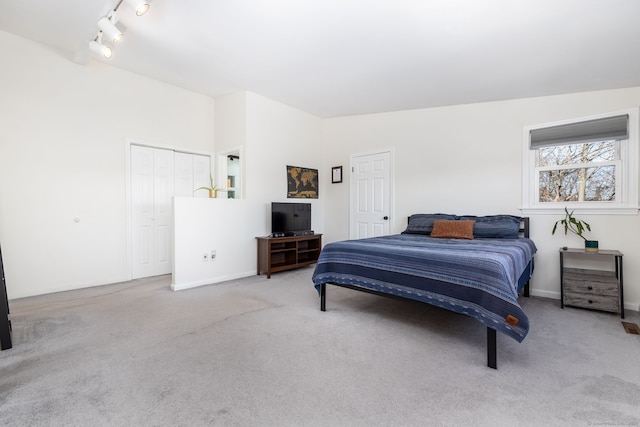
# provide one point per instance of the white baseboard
(211, 281)
(544, 294)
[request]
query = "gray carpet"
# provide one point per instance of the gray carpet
(258, 352)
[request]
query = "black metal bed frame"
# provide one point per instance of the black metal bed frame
(492, 352)
(5, 317)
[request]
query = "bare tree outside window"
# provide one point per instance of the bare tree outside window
(583, 172)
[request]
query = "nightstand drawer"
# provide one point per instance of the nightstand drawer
(596, 302)
(590, 282)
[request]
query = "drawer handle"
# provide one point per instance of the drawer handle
(590, 301)
(590, 288)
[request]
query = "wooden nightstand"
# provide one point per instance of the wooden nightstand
(596, 289)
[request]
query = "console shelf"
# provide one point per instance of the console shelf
(286, 253)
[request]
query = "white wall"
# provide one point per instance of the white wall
(231, 135)
(277, 136)
(231, 114)
(467, 159)
(203, 225)
(63, 129)
(273, 136)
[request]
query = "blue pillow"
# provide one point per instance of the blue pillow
(423, 223)
(495, 226)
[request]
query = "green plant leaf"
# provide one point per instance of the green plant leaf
(572, 224)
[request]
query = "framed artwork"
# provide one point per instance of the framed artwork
(336, 174)
(302, 183)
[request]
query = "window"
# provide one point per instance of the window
(578, 172)
(589, 163)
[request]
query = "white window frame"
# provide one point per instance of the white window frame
(626, 172)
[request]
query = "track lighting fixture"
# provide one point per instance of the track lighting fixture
(109, 30)
(140, 6)
(100, 49)
(107, 27)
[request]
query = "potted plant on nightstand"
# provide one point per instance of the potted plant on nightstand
(212, 189)
(577, 227)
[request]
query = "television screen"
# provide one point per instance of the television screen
(290, 218)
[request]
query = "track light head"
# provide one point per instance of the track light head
(107, 27)
(100, 49)
(109, 30)
(140, 6)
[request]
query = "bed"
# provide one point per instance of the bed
(478, 272)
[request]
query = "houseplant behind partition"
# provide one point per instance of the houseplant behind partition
(213, 190)
(577, 227)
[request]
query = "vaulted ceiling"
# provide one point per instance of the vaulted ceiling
(344, 57)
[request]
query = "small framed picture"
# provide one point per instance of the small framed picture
(336, 174)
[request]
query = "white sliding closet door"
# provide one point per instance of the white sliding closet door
(152, 189)
(192, 171)
(201, 174)
(184, 175)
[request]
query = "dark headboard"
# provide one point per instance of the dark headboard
(524, 226)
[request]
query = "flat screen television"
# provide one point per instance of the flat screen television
(290, 219)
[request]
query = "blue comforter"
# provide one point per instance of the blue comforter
(479, 278)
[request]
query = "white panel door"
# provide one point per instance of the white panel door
(151, 198)
(201, 174)
(370, 195)
(143, 241)
(184, 175)
(156, 176)
(163, 186)
(191, 171)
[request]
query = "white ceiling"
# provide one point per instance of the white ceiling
(343, 57)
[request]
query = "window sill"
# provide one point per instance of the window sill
(555, 210)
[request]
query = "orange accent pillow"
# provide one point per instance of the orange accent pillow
(457, 229)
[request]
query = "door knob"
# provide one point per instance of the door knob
(385, 217)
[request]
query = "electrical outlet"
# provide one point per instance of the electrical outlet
(213, 254)
(205, 257)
